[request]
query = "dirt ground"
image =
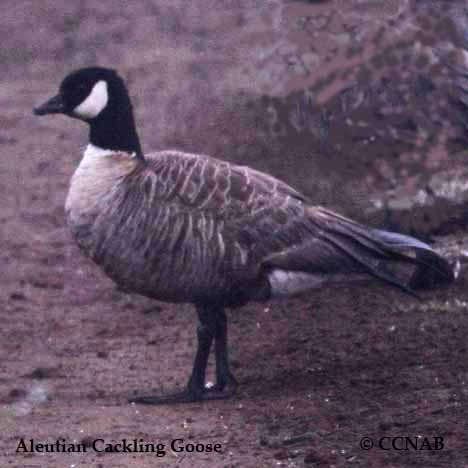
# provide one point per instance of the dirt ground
(317, 374)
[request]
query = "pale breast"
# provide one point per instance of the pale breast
(121, 218)
(95, 179)
(97, 174)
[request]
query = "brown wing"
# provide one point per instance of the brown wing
(209, 184)
(236, 215)
(253, 208)
(264, 223)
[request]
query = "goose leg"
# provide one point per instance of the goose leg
(210, 326)
(226, 384)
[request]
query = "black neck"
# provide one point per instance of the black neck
(114, 128)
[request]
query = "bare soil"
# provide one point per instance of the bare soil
(316, 374)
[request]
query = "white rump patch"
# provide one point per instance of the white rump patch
(94, 103)
(286, 283)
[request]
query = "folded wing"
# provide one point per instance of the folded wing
(276, 230)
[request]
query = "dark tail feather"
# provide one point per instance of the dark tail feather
(370, 265)
(375, 251)
(431, 267)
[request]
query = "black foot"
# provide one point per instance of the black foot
(187, 396)
(226, 385)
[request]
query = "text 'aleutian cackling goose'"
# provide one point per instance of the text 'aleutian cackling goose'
(182, 227)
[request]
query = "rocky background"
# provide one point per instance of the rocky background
(361, 104)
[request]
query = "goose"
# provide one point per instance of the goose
(189, 228)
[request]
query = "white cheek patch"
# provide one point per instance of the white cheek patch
(94, 103)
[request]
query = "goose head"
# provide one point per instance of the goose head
(99, 97)
(84, 93)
